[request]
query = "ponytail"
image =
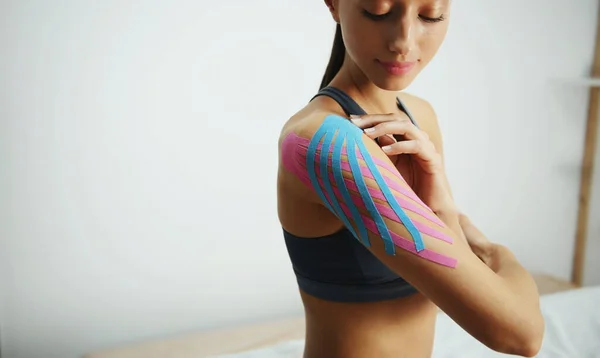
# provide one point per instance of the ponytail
(338, 52)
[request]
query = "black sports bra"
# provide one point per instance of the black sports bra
(338, 267)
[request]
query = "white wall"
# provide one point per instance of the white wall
(138, 144)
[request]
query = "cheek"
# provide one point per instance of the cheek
(361, 37)
(430, 41)
(363, 44)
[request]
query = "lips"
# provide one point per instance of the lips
(396, 67)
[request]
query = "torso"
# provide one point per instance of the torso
(402, 327)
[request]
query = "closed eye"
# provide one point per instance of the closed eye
(379, 17)
(432, 19)
(375, 17)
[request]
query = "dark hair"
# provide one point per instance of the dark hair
(338, 52)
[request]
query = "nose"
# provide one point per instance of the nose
(403, 36)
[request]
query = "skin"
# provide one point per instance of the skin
(401, 327)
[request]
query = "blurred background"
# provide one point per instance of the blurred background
(138, 152)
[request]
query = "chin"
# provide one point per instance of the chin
(395, 84)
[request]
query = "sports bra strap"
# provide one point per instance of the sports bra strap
(350, 106)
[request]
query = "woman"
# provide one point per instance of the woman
(375, 239)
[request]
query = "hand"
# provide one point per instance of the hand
(397, 135)
(479, 243)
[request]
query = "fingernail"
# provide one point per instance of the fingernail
(387, 148)
(369, 130)
(355, 118)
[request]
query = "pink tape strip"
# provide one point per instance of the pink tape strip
(303, 142)
(389, 213)
(423, 210)
(408, 245)
(294, 160)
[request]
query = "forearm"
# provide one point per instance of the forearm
(450, 216)
(504, 263)
(506, 267)
(497, 257)
(445, 209)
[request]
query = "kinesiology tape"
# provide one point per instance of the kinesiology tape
(357, 187)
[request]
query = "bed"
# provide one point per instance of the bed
(572, 331)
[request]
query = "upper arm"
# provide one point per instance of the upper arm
(359, 184)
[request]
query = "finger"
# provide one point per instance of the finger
(369, 120)
(405, 129)
(408, 147)
(386, 139)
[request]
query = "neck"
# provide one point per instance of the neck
(373, 99)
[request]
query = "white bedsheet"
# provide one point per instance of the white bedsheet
(572, 331)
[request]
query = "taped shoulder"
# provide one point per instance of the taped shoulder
(358, 183)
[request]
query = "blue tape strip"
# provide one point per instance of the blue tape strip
(328, 130)
(310, 165)
(368, 200)
(341, 184)
(416, 235)
(353, 136)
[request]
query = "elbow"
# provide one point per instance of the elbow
(527, 346)
(524, 340)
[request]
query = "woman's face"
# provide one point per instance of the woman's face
(390, 41)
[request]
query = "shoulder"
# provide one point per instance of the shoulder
(307, 122)
(310, 116)
(420, 108)
(425, 116)
(301, 141)
(300, 133)
(324, 134)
